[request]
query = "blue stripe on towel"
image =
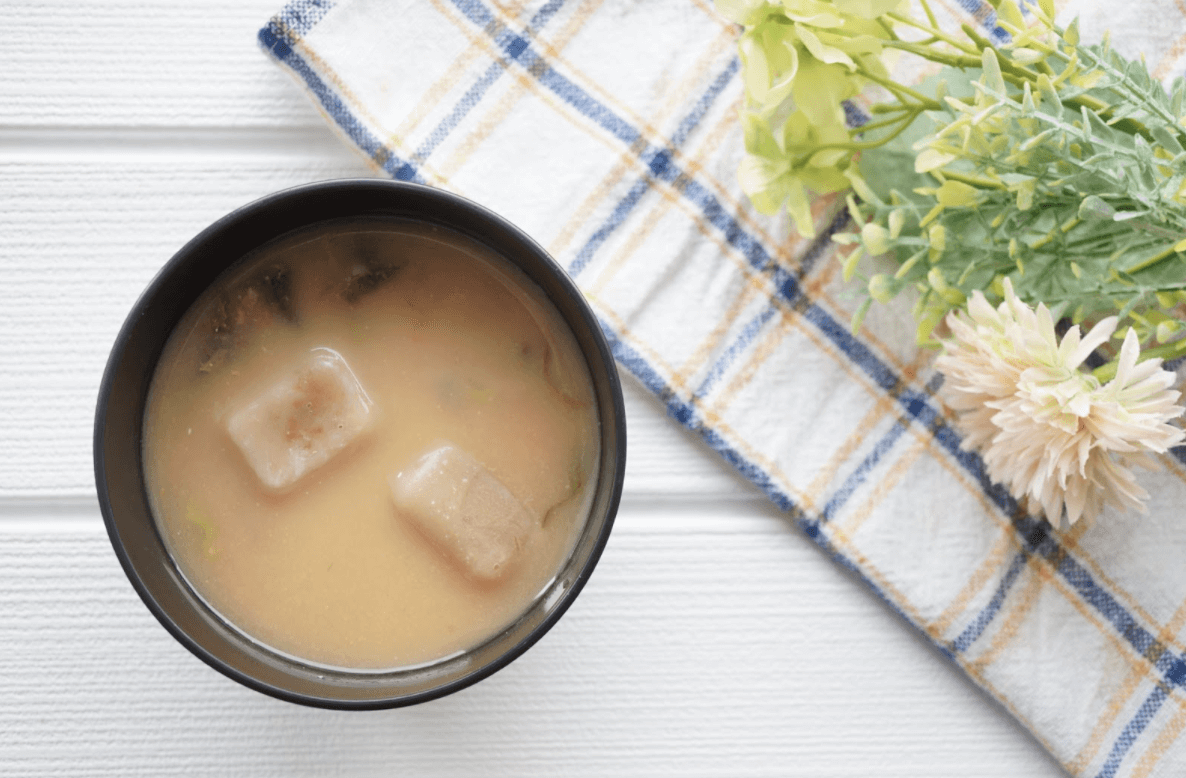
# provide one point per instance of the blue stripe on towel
(519, 49)
(659, 161)
(730, 353)
(987, 17)
(739, 344)
(1132, 731)
(871, 460)
(976, 628)
(275, 39)
(301, 16)
(861, 473)
(476, 92)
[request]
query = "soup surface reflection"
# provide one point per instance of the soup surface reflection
(371, 445)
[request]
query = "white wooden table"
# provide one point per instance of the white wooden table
(713, 638)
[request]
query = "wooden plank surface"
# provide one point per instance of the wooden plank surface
(128, 63)
(714, 639)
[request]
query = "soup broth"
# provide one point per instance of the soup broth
(371, 445)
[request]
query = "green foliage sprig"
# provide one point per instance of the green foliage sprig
(1053, 163)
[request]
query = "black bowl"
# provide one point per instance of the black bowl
(119, 473)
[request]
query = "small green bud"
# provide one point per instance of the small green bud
(937, 237)
(875, 238)
(1024, 56)
(882, 288)
(1168, 329)
(937, 281)
(1025, 194)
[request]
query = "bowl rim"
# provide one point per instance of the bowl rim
(161, 282)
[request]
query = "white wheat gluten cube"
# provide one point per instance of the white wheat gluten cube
(464, 510)
(300, 422)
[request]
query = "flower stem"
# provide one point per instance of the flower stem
(914, 112)
(926, 8)
(1153, 260)
(933, 30)
(982, 183)
(903, 122)
(924, 102)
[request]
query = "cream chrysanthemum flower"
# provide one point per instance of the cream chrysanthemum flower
(1045, 428)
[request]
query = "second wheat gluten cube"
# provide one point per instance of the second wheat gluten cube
(464, 510)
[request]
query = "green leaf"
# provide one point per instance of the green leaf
(1094, 125)
(820, 89)
(812, 12)
(867, 9)
(1167, 139)
(859, 317)
(850, 44)
(956, 194)
(850, 264)
(1007, 11)
(1050, 99)
(821, 51)
(931, 159)
(1094, 208)
(1071, 34)
(992, 72)
(756, 73)
(759, 137)
(799, 208)
(766, 182)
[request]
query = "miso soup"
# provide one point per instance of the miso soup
(371, 444)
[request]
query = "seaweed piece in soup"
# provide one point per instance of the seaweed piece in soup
(276, 286)
(247, 306)
(369, 264)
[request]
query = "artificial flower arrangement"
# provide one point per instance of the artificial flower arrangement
(1033, 189)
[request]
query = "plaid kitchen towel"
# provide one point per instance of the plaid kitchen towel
(608, 130)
